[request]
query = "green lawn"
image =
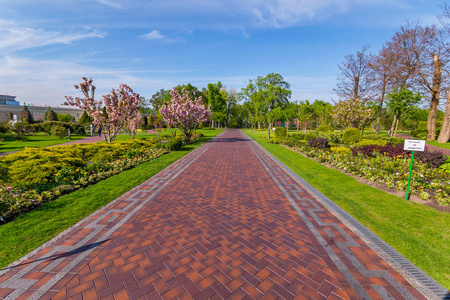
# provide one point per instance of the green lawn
(419, 233)
(435, 143)
(11, 143)
(32, 229)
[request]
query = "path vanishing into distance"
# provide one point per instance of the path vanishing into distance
(227, 221)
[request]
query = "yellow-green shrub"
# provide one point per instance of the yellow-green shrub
(341, 150)
(365, 142)
(36, 165)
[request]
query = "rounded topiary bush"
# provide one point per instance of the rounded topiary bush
(352, 136)
(59, 131)
(280, 132)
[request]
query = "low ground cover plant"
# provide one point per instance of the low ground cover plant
(37, 175)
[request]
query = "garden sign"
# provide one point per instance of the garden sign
(412, 145)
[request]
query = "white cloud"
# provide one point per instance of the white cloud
(157, 36)
(48, 81)
(154, 35)
(16, 38)
(111, 3)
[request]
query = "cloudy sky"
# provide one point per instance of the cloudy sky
(46, 46)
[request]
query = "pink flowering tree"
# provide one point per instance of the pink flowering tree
(352, 113)
(121, 106)
(297, 123)
(92, 107)
(133, 124)
(184, 113)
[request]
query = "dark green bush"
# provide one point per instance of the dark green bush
(22, 128)
(59, 131)
(4, 128)
(352, 136)
(280, 132)
(74, 127)
(174, 144)
(419, 134)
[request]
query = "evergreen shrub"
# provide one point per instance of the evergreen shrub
(280, 132)
(351, 136)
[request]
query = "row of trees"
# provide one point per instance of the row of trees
(417, 58)
(250, 107)
(50, 115)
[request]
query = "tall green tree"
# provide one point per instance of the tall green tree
(264, 91)
(401, 102)
(305, 114)
(218, 101)
(50, 115)
(26, 116)
(159, 98)
(85, 120)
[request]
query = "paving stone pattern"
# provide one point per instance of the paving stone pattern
(226, 221)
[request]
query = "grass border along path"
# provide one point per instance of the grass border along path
(419, 233)
(30, 230)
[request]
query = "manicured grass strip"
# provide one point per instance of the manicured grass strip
(419, 233)
(32, 229)
(10, 143)
(435, 143)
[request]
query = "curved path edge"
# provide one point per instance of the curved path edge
(418, 278)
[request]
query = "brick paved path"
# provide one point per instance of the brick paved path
(224, 222)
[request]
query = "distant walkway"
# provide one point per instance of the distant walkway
(227, 221)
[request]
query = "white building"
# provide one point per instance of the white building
(10, 109)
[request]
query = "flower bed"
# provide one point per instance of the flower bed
(384, 164)
(36, 175)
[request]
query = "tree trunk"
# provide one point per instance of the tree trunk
(383, 90)
(444, 136)
(432, 115)
(396, 127)
(393, 125)
(259, 125)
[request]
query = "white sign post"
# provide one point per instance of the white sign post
(412, 145)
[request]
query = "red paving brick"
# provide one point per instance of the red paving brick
(216, 224)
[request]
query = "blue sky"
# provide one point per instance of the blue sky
(47, 46)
